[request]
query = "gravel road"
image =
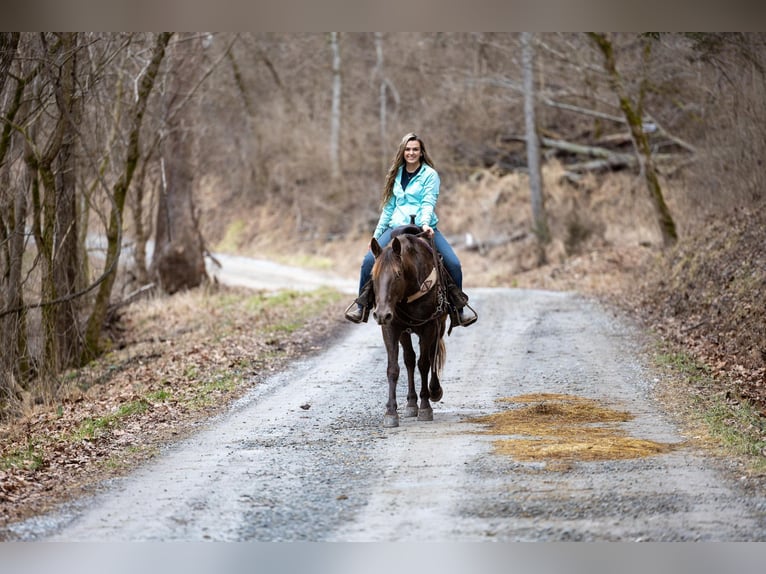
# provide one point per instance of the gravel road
(304, 456)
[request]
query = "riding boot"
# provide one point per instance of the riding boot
(458, 300)
(456, 296)
(359, 310)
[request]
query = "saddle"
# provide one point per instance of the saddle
(409, 228)
(456, 298)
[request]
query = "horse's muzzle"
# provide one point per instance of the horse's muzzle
(383, 317)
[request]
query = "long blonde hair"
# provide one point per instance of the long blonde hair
(388, 189)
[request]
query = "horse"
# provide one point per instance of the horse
(410, 297)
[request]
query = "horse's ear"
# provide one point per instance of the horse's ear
(396, 245)
(375, 247)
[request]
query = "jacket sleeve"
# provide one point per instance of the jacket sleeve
(385, 217)
(428, 200)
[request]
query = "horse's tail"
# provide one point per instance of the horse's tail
(441, 357)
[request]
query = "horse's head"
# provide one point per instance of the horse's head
(389, 278)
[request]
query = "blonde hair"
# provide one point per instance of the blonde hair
(388, 189)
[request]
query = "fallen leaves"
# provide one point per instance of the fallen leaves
(707, 295)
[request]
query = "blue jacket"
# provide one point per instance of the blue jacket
(419, 199)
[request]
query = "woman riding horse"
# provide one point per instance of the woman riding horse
(410, 194)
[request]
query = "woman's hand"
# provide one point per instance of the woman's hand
(428, 230)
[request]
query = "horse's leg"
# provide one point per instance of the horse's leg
(425, 412)
(409, 363)
(434, 387)
(391, 418)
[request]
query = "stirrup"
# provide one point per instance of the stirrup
(361, 318)
(466, 321)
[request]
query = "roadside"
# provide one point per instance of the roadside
(176, 362)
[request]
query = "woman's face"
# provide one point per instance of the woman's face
(412, 154)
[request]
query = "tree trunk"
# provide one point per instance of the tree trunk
(44, 210)
(178, 261)
(40, 161)
(140, 233)
(14, 360)
(382, 101)
(335, 114)
(640, 142)
(66, 264)
(540, 220)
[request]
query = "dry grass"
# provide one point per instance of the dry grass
(565, 428)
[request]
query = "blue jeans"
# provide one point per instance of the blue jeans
(451, 262)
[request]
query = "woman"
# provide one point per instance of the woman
(411, 190)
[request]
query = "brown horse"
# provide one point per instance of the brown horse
(410, 298)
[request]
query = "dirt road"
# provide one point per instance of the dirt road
(305, 456)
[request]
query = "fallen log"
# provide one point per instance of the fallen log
(590, 151)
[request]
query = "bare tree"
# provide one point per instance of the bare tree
(178, 261)
(335, 114)
(48, 152)
(640, 140)
(14, 363)
(67, 269)
(119, 193)
(539, 218)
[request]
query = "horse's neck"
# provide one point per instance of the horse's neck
(426, 258)
(424, 263)
(413, 276)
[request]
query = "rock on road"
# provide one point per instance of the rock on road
(273, 470)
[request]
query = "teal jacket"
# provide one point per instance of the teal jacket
(419, 199)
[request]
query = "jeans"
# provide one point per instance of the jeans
(451, 262)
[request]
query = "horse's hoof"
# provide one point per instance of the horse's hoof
(426, 414)
(391, 421)
(411, 411)
(436, 396)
